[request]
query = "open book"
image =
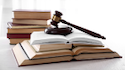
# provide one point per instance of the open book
(50, 47)
(27, 55)
(33, 54)
(75, 38)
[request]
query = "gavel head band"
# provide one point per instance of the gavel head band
(56, 18)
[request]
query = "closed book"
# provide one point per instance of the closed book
(14, 41)
(30, 21)
(13, 25)
(26, 35)
(23, 30)
(32, 14)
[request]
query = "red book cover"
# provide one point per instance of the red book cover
(18, 35)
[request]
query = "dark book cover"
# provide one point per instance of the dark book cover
(10, 35)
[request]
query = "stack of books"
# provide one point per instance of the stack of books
(25, 22)
(45, 48)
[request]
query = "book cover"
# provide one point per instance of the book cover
(14, 41)
(26, 35)
(30, 21)
(32, 14)
(23, 30)
(13, 25)
(25, 10)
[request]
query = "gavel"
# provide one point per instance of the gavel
(57, 19)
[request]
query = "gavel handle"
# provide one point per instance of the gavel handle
(83, 29)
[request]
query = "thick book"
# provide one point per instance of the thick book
(30, 21)
(26, 55)
(13, 25)
(14, 41)
(50, 47)
(60, 46)
(33, 54)
(23, 60)
(17, 35)
(32, 14)
(23, 30)
(76, 38)
(77, 50)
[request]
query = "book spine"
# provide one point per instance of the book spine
(22, 31)
(14, 41)
(32, 15)
(18, 35)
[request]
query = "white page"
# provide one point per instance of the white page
(81, 37)
(39, 37)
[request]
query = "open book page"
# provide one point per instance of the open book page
(84, 50)
(82, 38)
(39, 37)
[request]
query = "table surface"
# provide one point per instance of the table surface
(8, 62)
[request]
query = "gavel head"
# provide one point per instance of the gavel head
(56, 18)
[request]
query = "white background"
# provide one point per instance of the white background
(106, 17)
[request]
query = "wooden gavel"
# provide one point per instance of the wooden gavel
(57, 18)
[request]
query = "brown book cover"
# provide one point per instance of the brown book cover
(23, 30)
(35, 14)
(25, 10)
(14, 41)
(30, 21)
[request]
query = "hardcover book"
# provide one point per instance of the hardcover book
(32, 14)
(33, 54)
(23, 60)
(23, 30)
(13, 25)
(21, 35)
(26, 55)
(14, 41)
(51, 47)
(30, 21)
